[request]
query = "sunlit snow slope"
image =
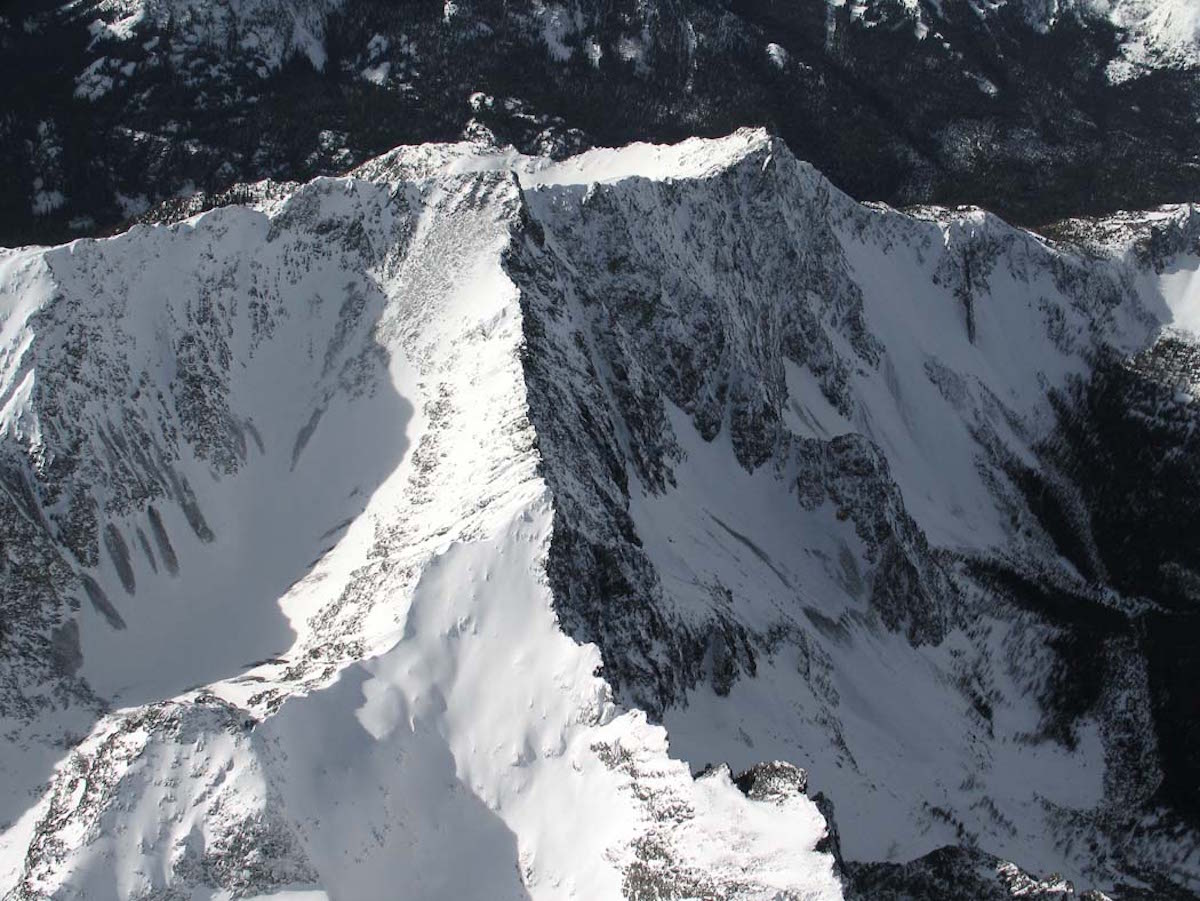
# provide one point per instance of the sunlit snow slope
(355, 540)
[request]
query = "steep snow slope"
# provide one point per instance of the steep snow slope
(282, 461)
(320, 516)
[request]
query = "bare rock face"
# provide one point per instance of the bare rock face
(462, 508)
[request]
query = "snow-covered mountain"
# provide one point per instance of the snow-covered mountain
(1153, 32)
(477, 525)
(1035, 109)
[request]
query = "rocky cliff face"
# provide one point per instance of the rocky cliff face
(399, 519)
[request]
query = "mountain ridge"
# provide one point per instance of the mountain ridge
(639, 409)
(118, 106)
